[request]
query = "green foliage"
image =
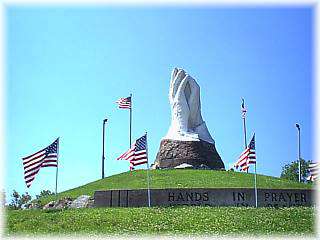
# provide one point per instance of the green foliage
(15, 200)
(291, 171)
(170, 220)
(179, 178)
(19, 201)
(44, 193)
(24, 200)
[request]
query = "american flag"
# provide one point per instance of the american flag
(243, 109)
(248, 156)
(47, 157)
(124, 103)
(314, 171)
(137, 154)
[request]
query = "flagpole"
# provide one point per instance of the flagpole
(299, 152)
(245, 132)
(103, 157)
(130, 124)
(57, 166)
(244, 127)
(255, 176)
(130, 129)
(255, 183)
(148, 180)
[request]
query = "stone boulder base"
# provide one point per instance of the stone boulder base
(81, 202)
(63, 203)
(172, 153)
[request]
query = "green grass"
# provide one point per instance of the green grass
(180, 179)
(168, 220)
(163, 221)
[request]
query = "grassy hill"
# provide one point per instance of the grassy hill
(180, 179)
(237, 221)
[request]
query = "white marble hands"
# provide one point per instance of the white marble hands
(186, 120)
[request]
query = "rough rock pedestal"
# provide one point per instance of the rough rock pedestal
(172, 153)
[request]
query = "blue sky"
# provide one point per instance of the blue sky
(66, 67)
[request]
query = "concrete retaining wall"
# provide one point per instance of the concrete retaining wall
(204, 197)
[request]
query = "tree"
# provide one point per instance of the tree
(15, 200)
(291, 171)
(24, 201)
(19, 201)
(44, 193)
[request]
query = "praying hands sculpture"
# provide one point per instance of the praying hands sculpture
(186, 120)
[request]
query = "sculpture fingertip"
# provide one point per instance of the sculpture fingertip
(174, 73)
(181, 74)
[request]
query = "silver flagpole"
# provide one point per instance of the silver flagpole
(149, 200)
(255, 183)
(103, 137)
(244, 112)
(57, 165)
(130, 121)
(299, 152)
(255, 175)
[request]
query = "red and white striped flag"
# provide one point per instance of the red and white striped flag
(248, 156)
(137, 154)
(124, 103)
(47, 157)
(314, 171)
